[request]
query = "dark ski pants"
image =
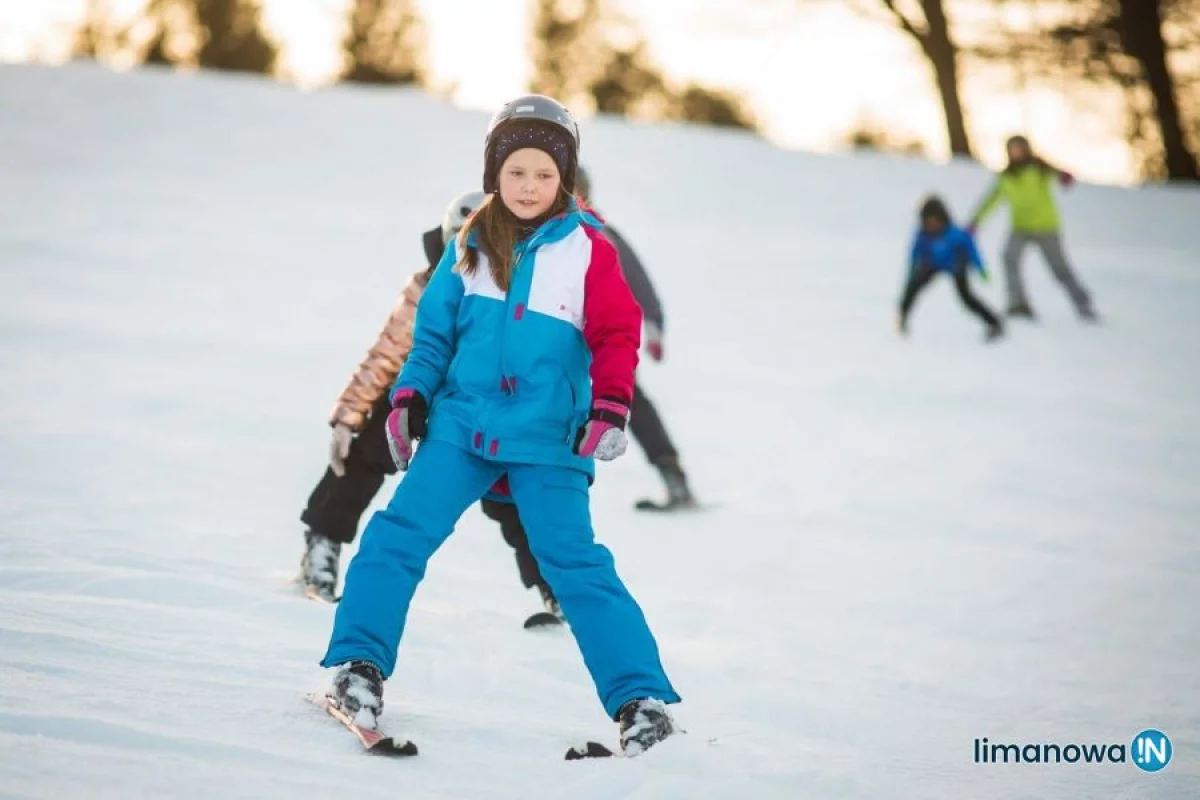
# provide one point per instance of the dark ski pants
(514, 534)
(336, 505)
(648, 430)
(921, 277)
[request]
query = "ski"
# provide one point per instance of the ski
(543, 619)
(372, 741)
(591, 750)
(647, 504)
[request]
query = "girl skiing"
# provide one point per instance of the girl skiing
(527, 304)
(359, 459)
(941, 246)
(1026, 183)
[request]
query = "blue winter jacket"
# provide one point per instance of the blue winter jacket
(949, 251)
(510, 376)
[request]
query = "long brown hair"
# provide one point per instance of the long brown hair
(498, 231)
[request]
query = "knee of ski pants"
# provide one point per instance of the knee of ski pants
(412, 526)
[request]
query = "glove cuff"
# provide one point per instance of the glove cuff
(401, 397)
(613, 412)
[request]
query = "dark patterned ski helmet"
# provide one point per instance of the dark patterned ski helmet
(532, 120)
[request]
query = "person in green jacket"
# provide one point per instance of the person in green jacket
(1026, 184)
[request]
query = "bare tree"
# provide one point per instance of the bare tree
(383, 43)
(569, 49)
(99, 35)
(933, 36)
(1123, 43)
(232, 36)
(583, 51)
(1140, 27)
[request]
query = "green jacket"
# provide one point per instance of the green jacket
(1028, 190)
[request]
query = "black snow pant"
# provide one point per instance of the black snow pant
(336, 505)
(921, 277)
(514, 534)
(648, 430)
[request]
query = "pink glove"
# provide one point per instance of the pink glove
(406, 422)
(603, 435)
(654, 341)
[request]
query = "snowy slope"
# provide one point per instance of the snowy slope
(919, 542)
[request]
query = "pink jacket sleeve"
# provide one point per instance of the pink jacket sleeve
(612, 323)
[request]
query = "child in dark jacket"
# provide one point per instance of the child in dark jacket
(940, 246)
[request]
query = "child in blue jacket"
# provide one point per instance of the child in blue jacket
(940, 246)
(522, 363)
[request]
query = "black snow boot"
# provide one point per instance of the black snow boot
(319, 567)
(549, 600)
(644, 723)
(358, 691)
(678, 493)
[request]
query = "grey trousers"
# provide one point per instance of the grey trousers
(1051, 246)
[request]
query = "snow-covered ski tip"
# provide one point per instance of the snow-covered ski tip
(543, 619)
(591, 750)
(373, 741)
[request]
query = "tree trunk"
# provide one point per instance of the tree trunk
(943, 56)
(1142, 37)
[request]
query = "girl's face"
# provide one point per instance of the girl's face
(529, 182)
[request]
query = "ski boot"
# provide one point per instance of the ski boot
(1021, 310)
(358, 691)
(319, 567)
(644, 723)
(993, 332)
(678, 493)
(549, 600)
(552, 616)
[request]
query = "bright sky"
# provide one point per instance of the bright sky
(811, 70)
